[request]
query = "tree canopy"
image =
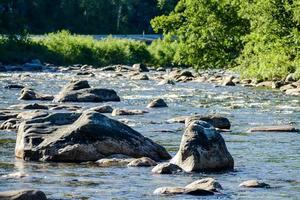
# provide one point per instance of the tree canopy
(81, 16)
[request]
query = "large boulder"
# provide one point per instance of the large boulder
(23, 195)
(80, 91)
(63, 137)
(202, 148)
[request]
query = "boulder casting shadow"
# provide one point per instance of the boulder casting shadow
(68, 137)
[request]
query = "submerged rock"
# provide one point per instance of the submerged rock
(14, 86)
(157, 103)
(142, 162)
(166, 168)
(63, 137)
(180, 190)
(202, 148)
(30, 94)
(23, 195)
(80, 91)
(112, 162)
(254, 184)
(118, 112)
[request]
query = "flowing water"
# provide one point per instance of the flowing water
(271, 157)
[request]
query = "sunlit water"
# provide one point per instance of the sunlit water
(271, 157)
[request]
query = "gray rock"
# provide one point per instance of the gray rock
(140, 67)
(30, 94)
(166, 82)
(142, 77)
(8, 114)
(102, 109)
(179, 190)
(113, 162)
(202, 148)
(157, 103)
(287, 87)
(23, 195)
(32, 106)
(214, 120)
(142, 162)
(254, 184)
(166, 168)
(228, 81)
(93, 136)
(294, 92)
(290, 78)
(118, 112)
(10, 124)
(80, 91)
(209, 184)
(14, 86)
(277, 128)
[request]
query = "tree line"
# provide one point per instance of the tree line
(81, 16)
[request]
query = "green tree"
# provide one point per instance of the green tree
(208, 32)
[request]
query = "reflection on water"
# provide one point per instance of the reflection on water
(272, 157)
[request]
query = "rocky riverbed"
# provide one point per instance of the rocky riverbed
(132, 118)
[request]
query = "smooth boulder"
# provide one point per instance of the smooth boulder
(166, 168)
(157, 103)
(202, 148)
(23, 195)
(80, 91)
(71, 137)
(30, 94)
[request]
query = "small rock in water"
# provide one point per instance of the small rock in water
(166, 168)
(118, 112)
(23, 195)
(228, 81)
(166, 82)
(254, 184)
(209, 184)
(30, 94)
(14, 86)
(102, 109)
(110, 162)
(142, 162)
(278, 128)
(140, 77)
(140, 67)
(157, 103)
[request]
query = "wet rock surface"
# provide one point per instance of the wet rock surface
(80, 91)
(23, 195)
(157, 103)
(88, 137)
(202, 148)
(254, 184)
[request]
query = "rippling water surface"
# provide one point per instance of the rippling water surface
(271, 157)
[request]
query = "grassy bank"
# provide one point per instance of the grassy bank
(64, 48)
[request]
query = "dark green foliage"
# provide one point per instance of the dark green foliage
(208, 32)
(80, 16)
(261, 38)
